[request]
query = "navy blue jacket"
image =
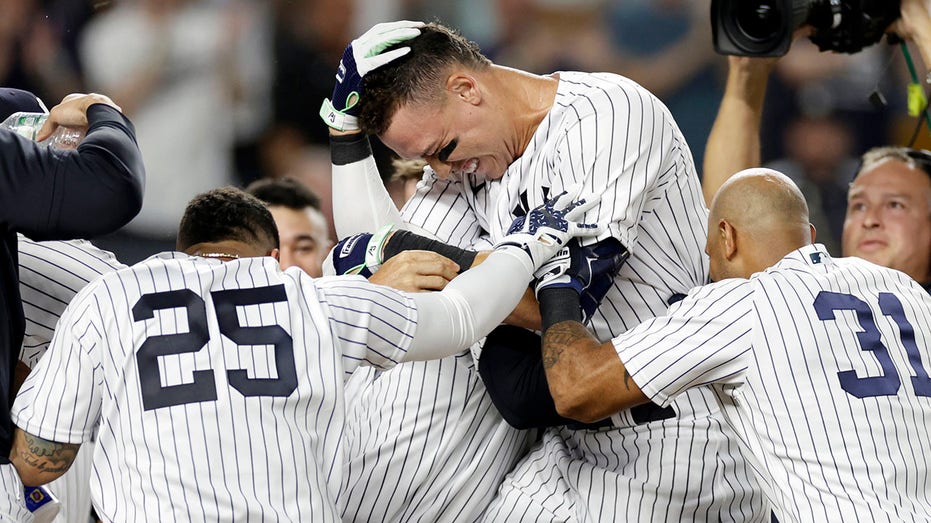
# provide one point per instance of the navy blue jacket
(50, 194)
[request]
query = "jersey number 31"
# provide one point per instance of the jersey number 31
(888, 383)
(203, 388)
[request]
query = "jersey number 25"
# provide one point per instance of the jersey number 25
(203, 388)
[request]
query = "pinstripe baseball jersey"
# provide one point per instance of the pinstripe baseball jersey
(50, 274)
(425, 442)
(251, 426)
(12, 504)
(615, 138)
(821, 366)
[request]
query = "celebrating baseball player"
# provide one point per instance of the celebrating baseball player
(215, 389)
(821, 364)
(50, 274)
(499, 141)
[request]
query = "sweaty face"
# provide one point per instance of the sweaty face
(303, 237)
(889, 218)
(452, 137)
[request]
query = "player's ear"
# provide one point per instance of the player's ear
(274, 253)
(814, 232)
(728, 239)
(464, 87)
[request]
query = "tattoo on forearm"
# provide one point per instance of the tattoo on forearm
(47, 456)
(558, 338)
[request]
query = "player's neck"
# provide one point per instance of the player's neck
(521, 93)
(225, 250)
(526, 98)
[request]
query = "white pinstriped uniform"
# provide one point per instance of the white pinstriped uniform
(834, 406)
(424, 440)
(12, 503)
(617, 139)
(246, 427)
(50, 274)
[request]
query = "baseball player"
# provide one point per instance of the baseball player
(424, 440)
(215, 389)
(50, 274)
(302, 227)
(830, 406)
(499, 141)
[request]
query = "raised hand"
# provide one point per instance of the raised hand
(546, 229)
(361, 56)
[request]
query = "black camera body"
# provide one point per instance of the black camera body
(765, 27)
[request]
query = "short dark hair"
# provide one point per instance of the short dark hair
(284, 192)
(418, 76)
(224, 214)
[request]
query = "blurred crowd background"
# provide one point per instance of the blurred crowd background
(228, 91)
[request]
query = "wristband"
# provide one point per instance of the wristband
(407, 241)
(349, 148)
(558, 304)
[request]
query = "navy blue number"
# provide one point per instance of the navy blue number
(154, 395)
(888, 383)
(203, 388)
(225, 303)
(892, 307)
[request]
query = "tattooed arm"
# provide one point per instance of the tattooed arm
(587, 380)
(40, 461)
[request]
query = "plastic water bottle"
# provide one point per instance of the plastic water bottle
(28, 125)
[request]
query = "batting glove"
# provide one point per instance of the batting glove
(588, 270)
(358, 254)
(546, 229)
(361, 56)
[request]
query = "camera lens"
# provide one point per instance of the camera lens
(757, 27)
(758, 20)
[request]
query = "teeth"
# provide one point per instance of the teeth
(470, 166)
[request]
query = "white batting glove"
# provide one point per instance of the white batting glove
(545, 230)
(361, 56)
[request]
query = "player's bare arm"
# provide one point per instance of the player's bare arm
(734, 140)
(586, 378)
(40, 461)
